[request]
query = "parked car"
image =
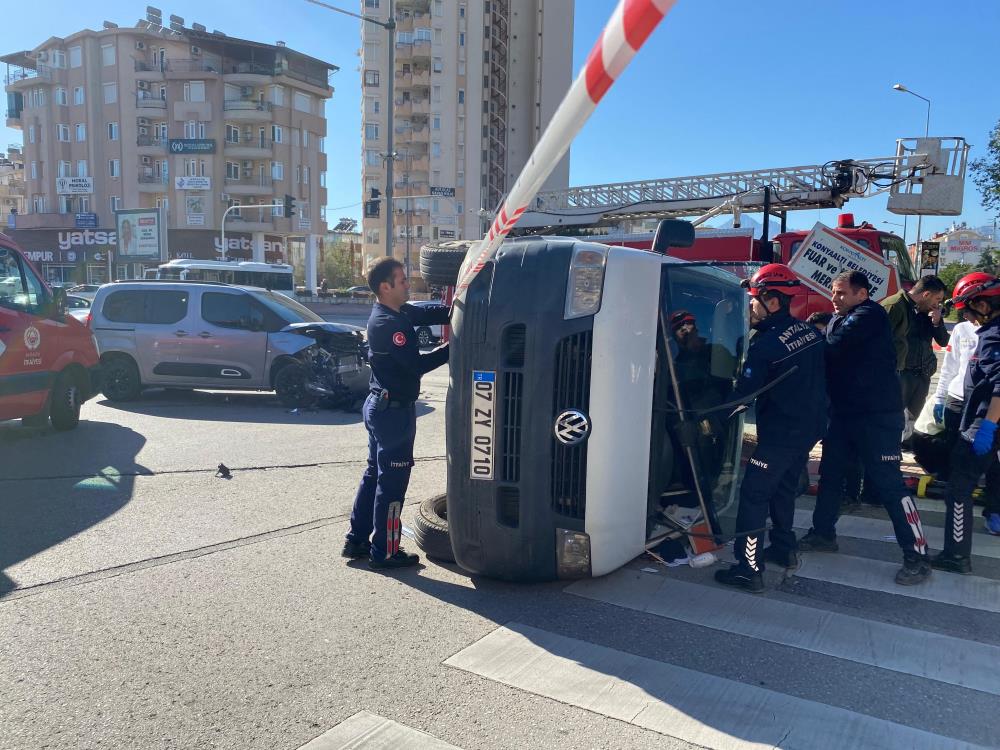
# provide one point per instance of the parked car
(48, 360)
(428, 335)
(87, 291)
(211, 335)
(360, 292)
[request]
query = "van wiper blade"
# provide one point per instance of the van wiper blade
(733, 405)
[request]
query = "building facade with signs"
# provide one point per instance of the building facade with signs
(179, 122)
(962, 244)
(474, 88)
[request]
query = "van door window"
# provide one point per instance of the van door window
(231, 311)
(20, 288)
(161, 306)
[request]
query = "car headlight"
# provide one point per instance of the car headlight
(586, 282)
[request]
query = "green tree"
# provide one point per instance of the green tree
(988, 262)
(953, 272)
(336, 267)
(986, 171)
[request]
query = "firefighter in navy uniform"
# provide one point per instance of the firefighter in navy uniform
(791, 417)
(397, 366)
(975, 450)
(866, 421)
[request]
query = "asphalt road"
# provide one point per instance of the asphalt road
(146, 603)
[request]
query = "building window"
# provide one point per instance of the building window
(461, 39)
(371, 131)
(322, 179)
(277, 171)
(31, 134)
(84, 204)
(371, 4)
(438, 36)
(163, 93)
(422, 34)
(322, 144)
(194, 129)
(305, 139)
(370, 50)
(437, 122)
(277, 134)
(34, 170)
(461, 68)
(161, 130)
(110, 93)
(302, 102)
(438, 65)
(81, 132)
(436, 148)
(295, 136)
(58, 58)
(78, 95)
(81, 168)
(460, 180)
(373, 158)
(232, 134)
(436, 93)
(114, 203)
(298, 174)
(232, 170)
(75, 57)
(62, 133)
(371, 78)
(114, 168)
(461, 96)
(65, 204)
(278, 95)
(112, 131)
(62, 170)
(194, 91)
(60, 97)
(305, 175)
(107, 54)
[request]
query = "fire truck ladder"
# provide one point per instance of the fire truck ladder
(495, 70)
(926, 176)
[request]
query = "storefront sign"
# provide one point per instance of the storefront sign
(193, 183)
(824, 254)
(138, 233)
(86, 221)
(192, 145)
(74, 185)
(446, 234)
(444, 192)
(204, 244)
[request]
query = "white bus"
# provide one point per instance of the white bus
(274, 276)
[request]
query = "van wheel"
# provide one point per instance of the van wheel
(430, 529)
(439, 266)
(290, 385)
(66, 402)
(424, 337)
(121, 379)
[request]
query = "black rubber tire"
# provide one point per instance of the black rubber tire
(439, 266)
(65, 402)
(290, 386)
(120, 378)
(430, 529)
(424, 337)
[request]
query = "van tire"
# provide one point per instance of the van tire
(120, 378)
(65, 402)
(290, 386)
(439, 266)
(430, 529)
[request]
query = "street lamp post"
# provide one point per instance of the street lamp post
(389, 26)
(927, 129)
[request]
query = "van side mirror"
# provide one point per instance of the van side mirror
(57, 308)
(672, 233)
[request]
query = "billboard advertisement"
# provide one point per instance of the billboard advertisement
(139, 233)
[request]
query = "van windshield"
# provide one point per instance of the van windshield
(287, 309)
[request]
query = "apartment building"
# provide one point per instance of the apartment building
(12, 200)
(475, 83)
(166, 117)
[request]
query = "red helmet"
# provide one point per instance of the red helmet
(972, 285)
(774, 277)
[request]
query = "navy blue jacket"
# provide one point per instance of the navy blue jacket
(861, 373)
(396, 361)
(794, 412)
(982, 379)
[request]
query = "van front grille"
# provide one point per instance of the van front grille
(571, 390)
(510, 439)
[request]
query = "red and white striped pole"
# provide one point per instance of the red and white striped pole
(626, 31)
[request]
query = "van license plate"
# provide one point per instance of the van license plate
(484, 394)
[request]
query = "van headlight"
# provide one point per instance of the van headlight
(586, 282)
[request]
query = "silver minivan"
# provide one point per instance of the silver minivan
(183, 334)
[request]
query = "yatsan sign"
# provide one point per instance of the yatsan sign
(244, 243)
(68, 240)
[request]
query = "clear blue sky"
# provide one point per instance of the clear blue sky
(722, 84)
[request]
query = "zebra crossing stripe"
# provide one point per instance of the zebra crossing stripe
(969, 664)
(699, 708)
(369, 730)
(874, 575)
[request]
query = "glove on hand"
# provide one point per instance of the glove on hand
(984, 438)
(939, 413)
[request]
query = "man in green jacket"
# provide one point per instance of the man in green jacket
(916, 319)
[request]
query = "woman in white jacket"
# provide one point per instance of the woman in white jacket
(949, 398)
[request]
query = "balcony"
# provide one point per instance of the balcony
(304, 77)
(422, 49)
(152, 183)
(255, 148)
(421, 6)
(150, 102)
(13, 118)
(247, 110)
(144, 66)
(247, 73)
(21, 75)
(147, 144)
(259, 185)
(250, 219)
(187, 68)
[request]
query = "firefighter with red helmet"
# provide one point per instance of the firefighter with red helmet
(791, 417)
(976, 448)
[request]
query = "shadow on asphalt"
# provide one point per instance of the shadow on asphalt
(103, 459)
(236, 406)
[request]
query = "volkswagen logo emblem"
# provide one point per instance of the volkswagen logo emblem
(572, 427)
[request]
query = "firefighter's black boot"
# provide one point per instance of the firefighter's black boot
(741, 577)
(952, 563)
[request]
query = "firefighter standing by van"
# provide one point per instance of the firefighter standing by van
(975, 450)
(866, 420)
(791, 417)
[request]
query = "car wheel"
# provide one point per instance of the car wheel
(290, 385)
(120, 379)
(66, 402)
(424, 337)
(430, 529)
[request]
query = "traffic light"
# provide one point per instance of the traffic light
(289, 206)
(372, 206)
